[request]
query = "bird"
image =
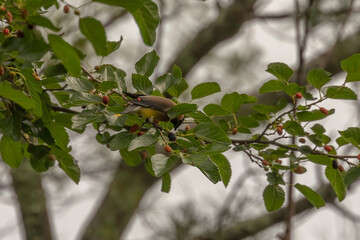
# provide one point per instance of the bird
(153, 108)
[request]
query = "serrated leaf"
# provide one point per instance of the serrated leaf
(142, 83)
(59, 133)
(40, 159)
(42, 21)
(142, 141)
(199, 117)
(294, 128)
(336, 181)
(132, 158)
(162, 164)
(320, 159)
(314, 115)
(11, 152)
(292, 88)
(231, 102)
(7, 91)
(352, 135)
(94, 31)
(177, 89)
(272, 86)
(213, 109)
(67, 163)
(340, 92)
(314, 198)
(275, 178)
(166, 182)
(274, 197)
(212, 133)
(181, 109)
(66, 53)
(205, 89)
(111, 73)
(351, 176)
(264, 109)
(146, 65)
(79, 84)
(318, 78)
(206, 166)
(247, 122)
(80, 120)
(351, 64)
(318, 129)
(280, 70)
(121, 140)
(222, 163)
(213, 148)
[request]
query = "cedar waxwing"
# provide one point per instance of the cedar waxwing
(153, 108)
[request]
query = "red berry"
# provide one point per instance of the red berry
(3, 9)
(279, 129)
(2, 71)
(140, 133)
(265, 163)
(187, 128)
(341, 168)
(6, 31)
(328, 148)
(143, 154)
(9, 17)
(324, 111)
(105, 100)
(278, 161)
(34, 74)
(302, 140)
(37, 78)
(358, 157)
(97, 68)
(134, 128)
(66, 9)
(299, 170)
(298, 95)
(167, 148)
(234, 131)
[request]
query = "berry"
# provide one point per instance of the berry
(97, 68)
(278, 161)
(2, 71)
(358, 157)
(9, 17)
(24, 12)
(156, 122)
(341, 168)
(20, 34)
(279, 129)
(37, 78)
(167, 148)
(3, 9)
(6, 31)
(143, 154)
(299, 170)
(66, 9)
(234, 131)
(324, 111)
(302, 140)
(105, 100)
(134, 128)
(187, 128)
(77, 12)
(265, 163)
(140, 134)
(34, 74)
(298, 95)
(328, 148)
(335, 164)
(172, 136)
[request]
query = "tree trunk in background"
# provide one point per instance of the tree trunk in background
(32, 202)
(122, 199)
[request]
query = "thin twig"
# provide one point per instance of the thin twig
(90, 75)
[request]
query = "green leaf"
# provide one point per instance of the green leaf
(351, 64)
(313, 197)
(314, 115)
(79, 84)
(67, 163)
(166, 182)
(11, 152)
(199, 117)
(340, 92)
(318, 129)
(272, 86)
(80, 120)
(213, 109)
(212, 133)
(66, 53)
(121, 140)
(353, 77)
(42, 21)
(231, 102)
(132, 158)
(275, 178)
(146, 65)
(248, 99)
(162, 164)
(205, 89)
(94, 31)
(336, 181)
(108, 85)
(145, 13)
(180, 109)
(292, 88)
(59, 133)
(247, 122)
(34, 88)
(81, 98)
(274, 197)
(206, 166)
(264, 109)
(40, 158)
(177, 89)
(113, 46)
(352, 135)
(294, 128)
(222, 163)
(351, 176)
(11, 125)
(142, 83)
(280, 70)
(213, 148)
(111, 73)
(318, 78)
(142, 141)
(320, 159)
(7, 91)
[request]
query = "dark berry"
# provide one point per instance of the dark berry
(105, 100)
(172, 136)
